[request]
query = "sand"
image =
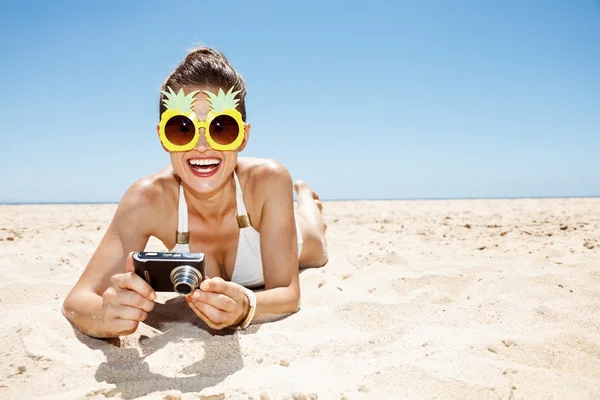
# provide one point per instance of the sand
(481, 299)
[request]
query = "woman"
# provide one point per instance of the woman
(240, 214)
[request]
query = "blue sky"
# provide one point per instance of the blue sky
(364, 100)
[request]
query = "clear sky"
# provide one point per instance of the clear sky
(364, 100)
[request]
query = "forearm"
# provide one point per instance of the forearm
(280, 300)
(84, 311)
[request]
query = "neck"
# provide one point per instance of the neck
(214, 205)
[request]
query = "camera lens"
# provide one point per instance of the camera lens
(185, 279)
(183, 288)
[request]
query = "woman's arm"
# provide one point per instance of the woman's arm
(220, 303)
(279, 248)
(129, 231)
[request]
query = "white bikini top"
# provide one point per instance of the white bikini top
(248, 269)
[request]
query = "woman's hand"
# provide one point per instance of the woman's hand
(219, 303)
(126, 302)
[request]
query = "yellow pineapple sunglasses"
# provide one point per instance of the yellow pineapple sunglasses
(179, 128)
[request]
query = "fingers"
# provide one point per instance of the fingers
(217, 300)
(131, 281)
(116, 314)
(124, 327)
(126, 304)
(133, 299)
(218, 285)
(215, 318)
(213, 285)
(200, 314)
(131, 314)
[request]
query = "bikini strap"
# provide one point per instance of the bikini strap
(182, 239)
(243, 218)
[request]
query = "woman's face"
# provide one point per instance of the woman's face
(204, 169)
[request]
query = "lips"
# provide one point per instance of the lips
(204, 167)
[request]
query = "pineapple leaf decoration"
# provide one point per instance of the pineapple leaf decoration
(179, 101)
(222, 101)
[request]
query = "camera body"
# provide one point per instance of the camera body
(169, 271)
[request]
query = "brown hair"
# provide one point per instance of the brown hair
(205, 66)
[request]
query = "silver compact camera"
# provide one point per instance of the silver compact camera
(170, 272)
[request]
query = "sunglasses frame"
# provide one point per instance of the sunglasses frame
(236, 115)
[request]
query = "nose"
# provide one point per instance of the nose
(202, 144)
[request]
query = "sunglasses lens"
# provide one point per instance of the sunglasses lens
(224, 129)
(180, 130)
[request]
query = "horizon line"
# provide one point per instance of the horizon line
(7, 203)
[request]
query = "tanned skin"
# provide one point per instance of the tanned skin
(110, 300)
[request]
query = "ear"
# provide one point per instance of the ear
(246, 137)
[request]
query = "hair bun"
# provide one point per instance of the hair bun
(205, 52)
(204, 66)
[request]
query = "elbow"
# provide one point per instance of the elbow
(68, 307)
(296, 301)
(74, 303)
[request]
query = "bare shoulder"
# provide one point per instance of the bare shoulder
(264, 181)
(151, 189)
(264, 173)
(147, 198)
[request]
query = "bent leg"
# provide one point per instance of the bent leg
(310, 221)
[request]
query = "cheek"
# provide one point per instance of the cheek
(230, 159)
(177, 160)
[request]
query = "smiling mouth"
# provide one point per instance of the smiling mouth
(204, 166)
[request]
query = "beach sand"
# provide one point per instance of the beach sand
(463, 299)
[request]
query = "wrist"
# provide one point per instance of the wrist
(248, 316)
(245, 310)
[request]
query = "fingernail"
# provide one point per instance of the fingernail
(153, 296)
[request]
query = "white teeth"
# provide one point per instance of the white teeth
(204, 161)
(204, 165)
